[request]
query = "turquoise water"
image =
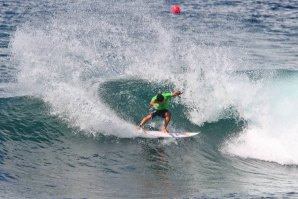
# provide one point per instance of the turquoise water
(76, 77)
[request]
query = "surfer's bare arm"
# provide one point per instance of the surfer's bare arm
(176, 93)
(152, 103)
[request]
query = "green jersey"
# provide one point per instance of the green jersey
(165, 103)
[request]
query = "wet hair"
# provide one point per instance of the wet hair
(159, 98)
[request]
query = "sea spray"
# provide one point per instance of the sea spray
(63, 60)
(272, 135)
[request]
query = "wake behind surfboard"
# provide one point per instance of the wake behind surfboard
(160, 134)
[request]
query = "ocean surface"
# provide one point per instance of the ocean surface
(76, 77)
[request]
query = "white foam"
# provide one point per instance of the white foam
(272, 132)
(60, 61)
(264, 144)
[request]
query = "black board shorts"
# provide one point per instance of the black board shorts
(160, 113)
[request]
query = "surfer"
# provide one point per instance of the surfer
(159, 108)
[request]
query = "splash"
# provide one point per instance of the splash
(272, 134)
(64, 60)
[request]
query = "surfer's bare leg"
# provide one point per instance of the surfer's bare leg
(167, 121)
(145, 119)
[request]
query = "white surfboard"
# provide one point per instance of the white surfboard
(160, 134)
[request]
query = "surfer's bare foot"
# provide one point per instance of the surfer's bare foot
(139, 127)
(164, 130)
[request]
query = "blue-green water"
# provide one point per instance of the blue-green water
(77, 76)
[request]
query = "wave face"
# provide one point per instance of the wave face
(78, 77)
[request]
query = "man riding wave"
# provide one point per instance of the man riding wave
(160, 104)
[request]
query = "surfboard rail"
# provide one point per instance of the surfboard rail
(160, 134)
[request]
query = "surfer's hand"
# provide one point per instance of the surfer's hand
(177, 93)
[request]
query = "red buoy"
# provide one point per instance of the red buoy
(176, 9)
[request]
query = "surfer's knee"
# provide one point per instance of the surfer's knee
(168, 114)
(149, 117)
